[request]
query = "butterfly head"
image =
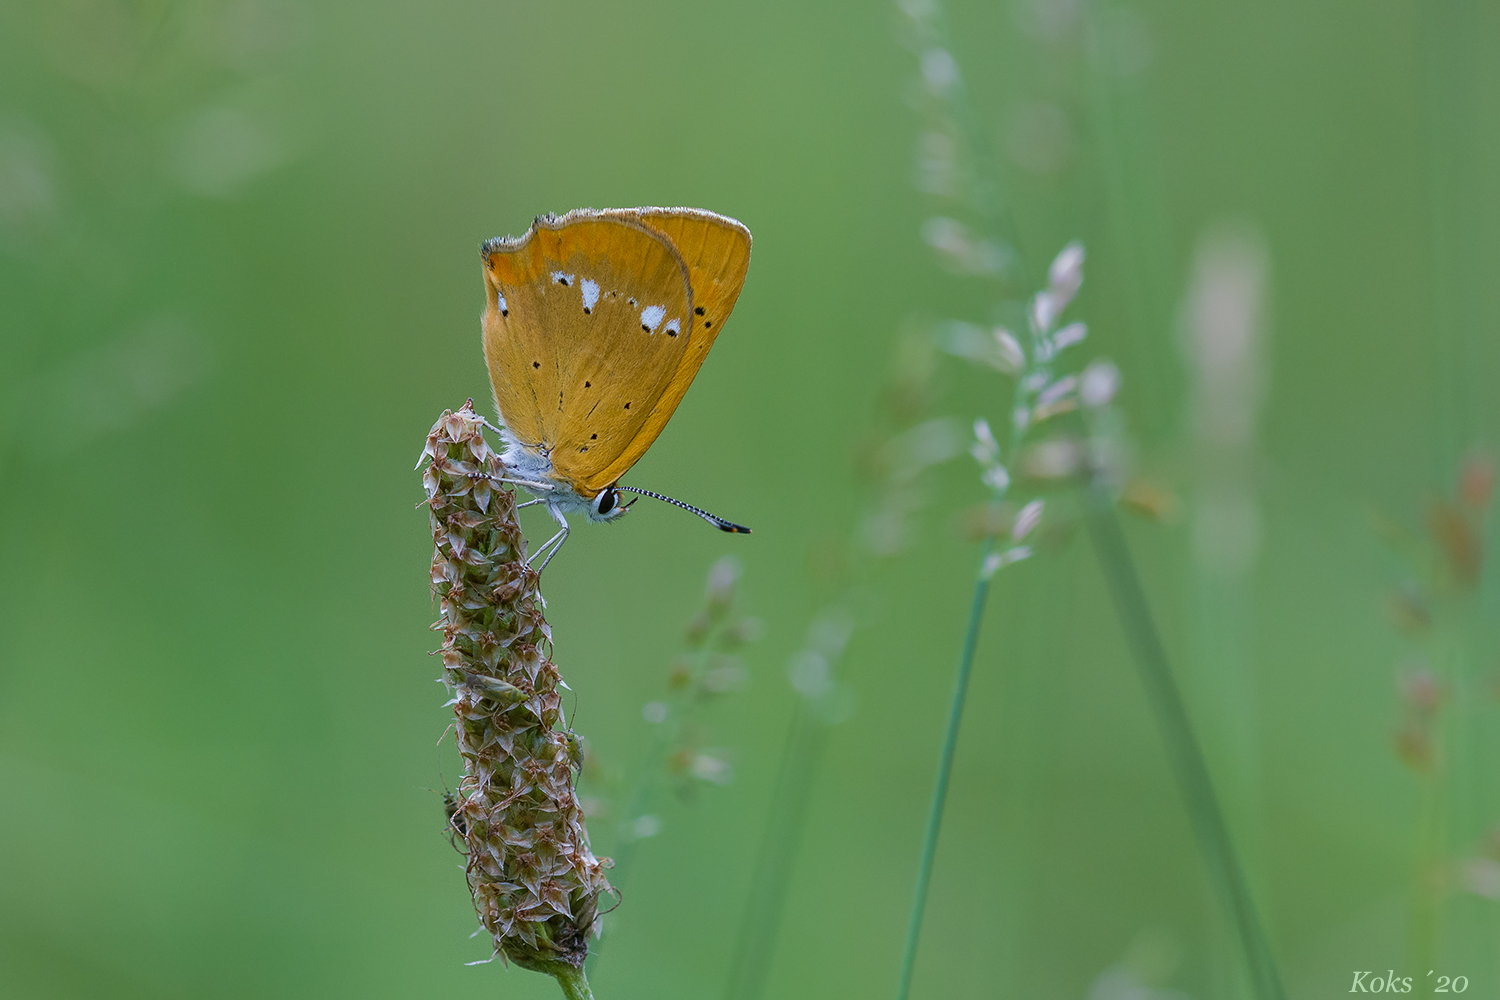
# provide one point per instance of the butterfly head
(606, 506)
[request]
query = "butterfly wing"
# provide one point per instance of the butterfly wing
(585, 329)
(716, 251)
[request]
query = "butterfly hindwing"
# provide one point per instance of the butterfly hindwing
(587, 323)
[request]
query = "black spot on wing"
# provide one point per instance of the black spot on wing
(536, 364)
(699, 310)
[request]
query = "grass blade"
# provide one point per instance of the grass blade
(945, 771)
(1182, 745)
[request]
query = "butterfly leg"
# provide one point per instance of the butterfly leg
(530, 485)
(551, 545)
(531, 503)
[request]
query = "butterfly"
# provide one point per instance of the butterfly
(595, 324)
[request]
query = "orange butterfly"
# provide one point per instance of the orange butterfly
(595, 324)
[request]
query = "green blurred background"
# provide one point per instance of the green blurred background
(239, 280)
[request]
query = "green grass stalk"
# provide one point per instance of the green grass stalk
(1427, 895)
(807, 738)
(1183, 750)
(574, 982)
(945, 771)
(1136, 207)
(1443, 927)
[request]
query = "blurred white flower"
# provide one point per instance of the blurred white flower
(1069, 335)
(961, 250)
(1150, 960)
(723, 679)
(830, 632)
(1222, 337)
(809, 673)
(1222, 333)
(1481, 876)
(1010, 350)
(1065, 276)
(1026, 519)
(995, 561)
(722, 576)
(1054, 459)
(1099, 383)
(1057, 390)
(965, 340)
(1044, 311)
(710, 768)
(939, 69)
(985, 448)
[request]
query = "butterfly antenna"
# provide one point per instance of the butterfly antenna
(717, 522)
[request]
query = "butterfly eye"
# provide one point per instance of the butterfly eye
(607, 501)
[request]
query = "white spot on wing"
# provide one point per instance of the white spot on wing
(590, 293)
(651, 317)
(560, 278)
(500, 301)
(673, 327)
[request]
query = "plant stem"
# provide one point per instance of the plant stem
(575, 985)
(806, 739)
(1426, 904)
(1182, 746)
(945, 770)
(987, 196)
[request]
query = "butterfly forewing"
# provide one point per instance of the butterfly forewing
(588, 322)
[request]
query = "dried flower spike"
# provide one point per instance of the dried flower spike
(536, 884)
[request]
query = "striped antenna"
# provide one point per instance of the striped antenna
(717, 522)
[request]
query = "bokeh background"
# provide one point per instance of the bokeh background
(239, 280)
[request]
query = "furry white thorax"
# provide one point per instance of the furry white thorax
(534, 465)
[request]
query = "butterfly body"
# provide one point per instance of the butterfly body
(595, 324)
